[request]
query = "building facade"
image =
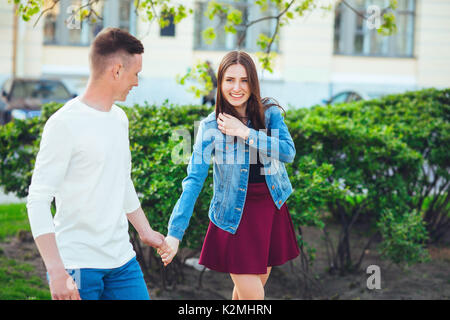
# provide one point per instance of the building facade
(318, 55)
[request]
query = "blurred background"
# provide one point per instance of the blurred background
(323, 57)
(359, 160)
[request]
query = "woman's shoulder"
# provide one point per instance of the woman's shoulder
(210, 119)
(271, 107)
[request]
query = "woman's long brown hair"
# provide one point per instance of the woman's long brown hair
(255, 107)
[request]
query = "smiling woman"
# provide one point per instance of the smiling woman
(250, 229)
(238, 92)
(235, 87)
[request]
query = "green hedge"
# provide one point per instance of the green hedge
(361, 164)
(382, 152)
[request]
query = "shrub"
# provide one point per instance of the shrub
(404, 237)
(356, 164)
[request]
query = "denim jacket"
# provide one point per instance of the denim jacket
(231, 171)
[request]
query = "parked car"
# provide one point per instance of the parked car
(349, 96)
(22, 98)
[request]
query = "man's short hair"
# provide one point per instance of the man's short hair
(111, 42)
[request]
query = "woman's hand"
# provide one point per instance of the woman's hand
(168, 251)
(232, 126)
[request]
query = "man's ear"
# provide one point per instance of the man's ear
(117, 69)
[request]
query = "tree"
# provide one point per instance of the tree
(163, 11)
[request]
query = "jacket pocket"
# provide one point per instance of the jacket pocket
(225, 149)
(217, 209)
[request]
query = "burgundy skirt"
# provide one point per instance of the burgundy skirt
(265, 237)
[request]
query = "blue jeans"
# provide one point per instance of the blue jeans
(122, 283)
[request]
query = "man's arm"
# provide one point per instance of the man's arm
(147, 235)
(62, 286)
(49, 171)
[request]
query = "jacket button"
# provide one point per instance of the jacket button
(251, 141)
(279, 202)
(273, 187)
(268, 171)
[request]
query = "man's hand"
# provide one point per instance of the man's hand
(62, 286)
(168, 253)
(152, 238)
(147, 235)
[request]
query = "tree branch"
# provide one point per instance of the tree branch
(277, 17)
(55, 2)
(353, 9)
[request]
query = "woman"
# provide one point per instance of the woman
(250, 229)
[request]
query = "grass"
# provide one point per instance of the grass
(13, 218)
(18, 281)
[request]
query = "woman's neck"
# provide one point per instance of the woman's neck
(242, 110)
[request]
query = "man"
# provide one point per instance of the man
(84, 162)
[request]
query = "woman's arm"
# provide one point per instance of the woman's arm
(197, 171)
(279, 145)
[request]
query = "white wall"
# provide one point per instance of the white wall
(306, 70)
(433, 43)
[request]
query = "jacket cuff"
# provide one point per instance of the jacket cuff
(175, 232)
(252, 139)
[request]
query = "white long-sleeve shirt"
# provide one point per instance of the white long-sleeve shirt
(84, 161)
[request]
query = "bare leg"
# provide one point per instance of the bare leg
(264, 277)
(249, 286)
(235, 294)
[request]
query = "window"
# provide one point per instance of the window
(352, 35)
(229, 41)
(168, 31)
(61, 28)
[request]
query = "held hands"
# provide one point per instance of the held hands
(156, 240)
(169, 251)
(232, 126)
(166, 247)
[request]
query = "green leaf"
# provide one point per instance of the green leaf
(209, 35)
